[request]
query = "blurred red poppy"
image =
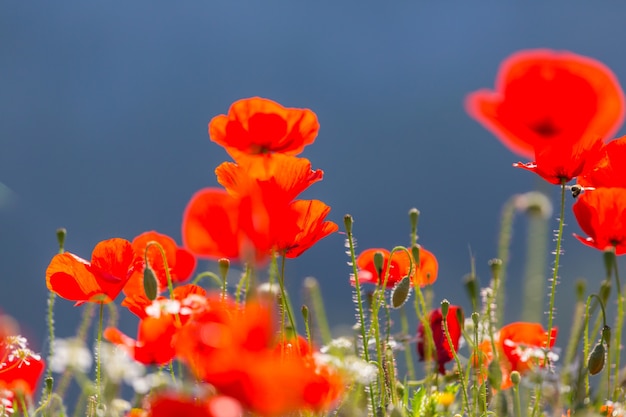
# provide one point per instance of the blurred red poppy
(422, 275)
(521, 346)
(610, 169)
(442, 347)
(543, 96)
(112, 263)
(259, 126)
(601, 214)
(171, 404)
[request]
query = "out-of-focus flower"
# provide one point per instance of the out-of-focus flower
(521, 347)
(547, 99)
(20, 367)
(160, 320)
(181, 263)
(112, 263)
(70, 354)
(610, 170)
(422, 275)
(260, 126)
(233, 348)
(442, 348)
(172, 404)
(118, 366)
(601, 214)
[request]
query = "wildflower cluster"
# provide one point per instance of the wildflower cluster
(220, 350)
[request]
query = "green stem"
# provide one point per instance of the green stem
(504, 244)
(208, 274)
(404, 325)
(555, 271)
(99, 359)
(359, 299)
(319, 311)
(619, 321)
(283, 296)
(458, 363)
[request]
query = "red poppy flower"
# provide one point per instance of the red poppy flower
(181, 263)
(601, 214)
(217, 225)
(521, 347)
(423, 275)
(258, 125)
(160, 320)
(283, 175)
(442, 347)
(561, 160)
(544, 96)
(610, 170)
(171, 404)
(101, 280)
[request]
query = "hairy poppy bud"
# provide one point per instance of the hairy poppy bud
(347, 222)
(595, 362)
(379, 260)
(61, 233)
(401, 292)
(149, 283)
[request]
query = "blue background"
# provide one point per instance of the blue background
(104, 110)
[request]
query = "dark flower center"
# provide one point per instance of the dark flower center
(545, 128)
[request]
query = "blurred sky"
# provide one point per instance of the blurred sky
(104, 110)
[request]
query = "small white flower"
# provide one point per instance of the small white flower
(72, 354)
(118, 366)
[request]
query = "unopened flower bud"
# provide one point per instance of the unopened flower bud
(413, 217)
(401, 292)
(379, 259)
(149, 283)
(595, 362)
(515, 378)
(61, 234)
(445, 305)
(305, 313)
(475, 318)
(471, 286)
(347, 222)
(223, 265)
(495, 265)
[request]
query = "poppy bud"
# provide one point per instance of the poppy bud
(149, 283)
(445, 305)
(223, 265)
(495, 265)
(515, 378)
(595, 362)
(413, 217)
(475, 318)
(305, 313)
(401, 292)
(61, 233)
(379, 260)
(347, 222)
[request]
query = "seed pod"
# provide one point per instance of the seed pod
(401, 292)
(595, 362)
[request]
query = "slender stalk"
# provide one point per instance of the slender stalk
(286, 305)
(459, 367)
(404, 325)
(99, 358)
(619, 321)
(555, 271)
(504, 244)
(208, 274)
(319, 312)
(350, 238)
